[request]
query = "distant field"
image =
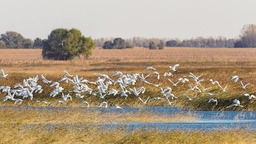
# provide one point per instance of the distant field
(175, 54)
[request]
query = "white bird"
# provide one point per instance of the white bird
(55, 84)
(45, 102)
(244, 86)
(65, 78)
(118, 107)
(196, 78)
(141, 89)
(18, 101)
(9, 96)
(168, 74)
(170, 103)
(193, 88)
(173, 68)
(174, 84)
(183, 80)
(216, 82)
(45, 80)
(213, 100)
(154, 72)
(117, 72)
(85, 102)
(156, 98)
(102, 103)
(113, 91)
(67, 74)
(250, 96)
(78, 95)
(235, 103)
(149, 67)
(3, 75)
(166, 89)
(59, 101)
(144, 102)
(65, 97)
(190, 98)
(235, 78)
(124, 93)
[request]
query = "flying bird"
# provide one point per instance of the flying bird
(173, 68)
(235, 103)
(235, 78)
(3, 75)
(244, 86)
(149, 67)
(250, 96)
(213, 100)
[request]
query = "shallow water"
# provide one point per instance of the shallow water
(207, 120)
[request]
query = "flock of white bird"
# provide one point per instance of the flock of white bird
(126, 86)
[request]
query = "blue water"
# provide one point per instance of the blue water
(207, 120)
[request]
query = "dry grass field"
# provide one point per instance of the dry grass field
(216, 63)
(93, 135)
(172, 54)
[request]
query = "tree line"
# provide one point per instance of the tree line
(246, 39)
(15, 40)
(12, 39)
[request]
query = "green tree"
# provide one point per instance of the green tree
(171, 43)
(152, 45)
(12, 39)
(119, 43)
(161, 45)
(2, 44)
(64, 44)
(107, 45)
(38, 43)
(27, 43)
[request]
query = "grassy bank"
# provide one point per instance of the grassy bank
(87, 134)
(79, 116)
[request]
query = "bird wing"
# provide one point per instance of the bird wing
(2, 71)
(174, 66)
(67, 74)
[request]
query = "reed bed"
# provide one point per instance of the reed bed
(80, 116)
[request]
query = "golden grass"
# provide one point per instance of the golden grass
(216, 63)
(177, 54)
(79, 116)
(91, 135)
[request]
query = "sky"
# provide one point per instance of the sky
(183, 19)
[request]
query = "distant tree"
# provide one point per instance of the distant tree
(248, 37)
(38, 43)
(27, 43)
(239, 44)
(161, 45)
(119, 43)
(107, 45)
(12, 39)
(64, 44)
(2, 44)
(171, 43)
(152, 45)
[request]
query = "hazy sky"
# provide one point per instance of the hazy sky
(128, 18)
